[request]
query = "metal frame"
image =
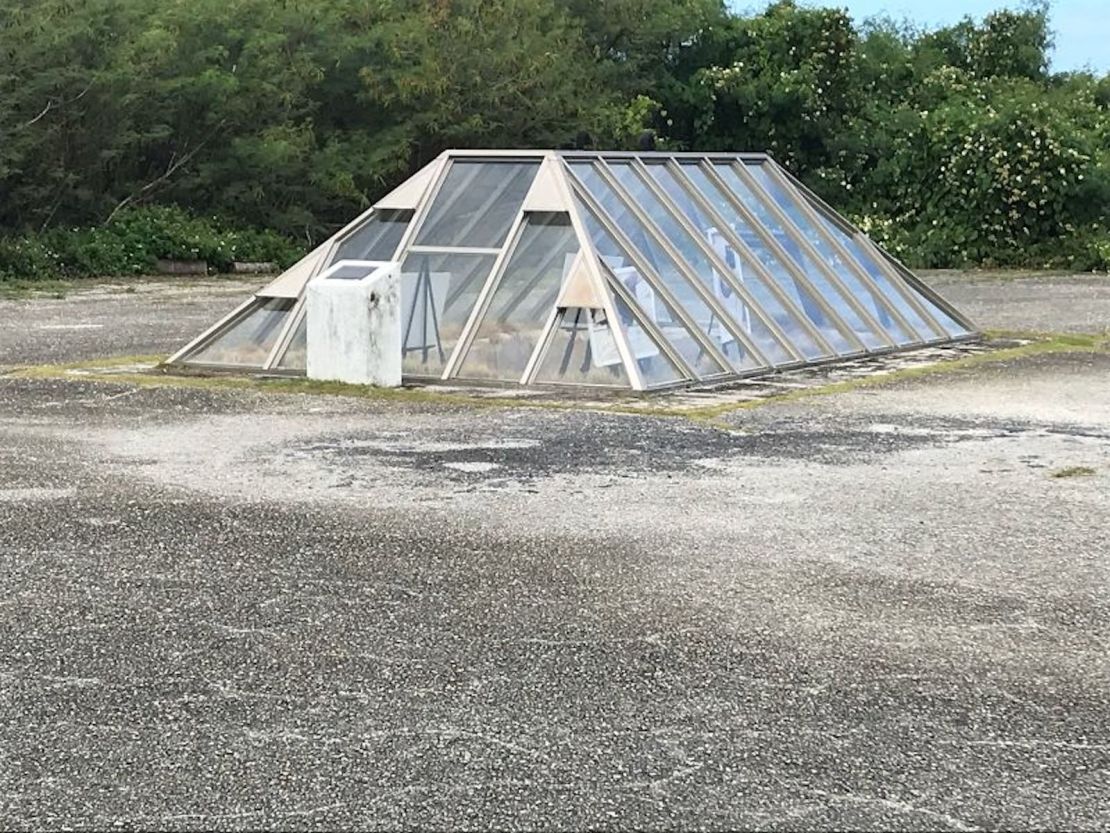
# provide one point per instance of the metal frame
(485, 294)
(652, 329)
(892, 267)
(750, 257)
(796, 270)
(593, 264)
(661, 240)
(719, 265)
(647, 271)
(905, 286)
(815, 256)
(845, 256)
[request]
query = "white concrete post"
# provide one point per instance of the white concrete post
(353, 326)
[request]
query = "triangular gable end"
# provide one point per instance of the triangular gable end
(579, 289)
(291, 282)
(407, 195)
(545, 195)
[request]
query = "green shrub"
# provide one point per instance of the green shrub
(133, 241)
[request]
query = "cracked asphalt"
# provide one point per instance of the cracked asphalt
(884, 609)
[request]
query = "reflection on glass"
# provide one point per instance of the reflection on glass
(294, 357)
(813, 272)
(477, 203)
(438, 292)
(663, 265)
(927, 330)
(249, 340)
(376, 239)
(743, 318)
(655, 368)
(796, 290)
(651, 305)
(523, 300)
(875, 304)
(583, 351)
(742, 272)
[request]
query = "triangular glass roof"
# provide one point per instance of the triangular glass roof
(618, 269)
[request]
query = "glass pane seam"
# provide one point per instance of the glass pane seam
(182, 355)
(645, 322)
(460, 189)
(913, 281)
(540, 351)
(420, 216)
(753, 259)
(620, 335)
(811, 252)
(568, 186)
(286, 333)
(233, 318)
(650, 275)
(718, 264)
(481, 303)
(787, 260)
(689, 274)
(842, 252)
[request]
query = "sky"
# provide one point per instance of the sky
(1081, 27)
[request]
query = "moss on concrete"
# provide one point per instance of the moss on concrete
(1033, 344)
(1074, 471)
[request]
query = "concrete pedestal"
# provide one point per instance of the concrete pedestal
(353, 325)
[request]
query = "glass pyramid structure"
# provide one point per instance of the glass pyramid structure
(617, 269)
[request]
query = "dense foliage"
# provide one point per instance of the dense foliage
(954, 147)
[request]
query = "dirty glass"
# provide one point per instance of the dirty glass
(828, 291)
(740, 266)
(438, 292)
(249, 340)
(376, 239)
(583, 351)
(477, 203)
(669, 273)
(523, 300)
(655, 367)
(295, 355)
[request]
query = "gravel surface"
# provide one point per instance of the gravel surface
(147, 317)
(879, 610)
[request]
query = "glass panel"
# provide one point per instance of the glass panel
(672, 278)
(801, 295)
(828, 292)
(743, 317)
(437, 294)
(740, 266)
(523, 300)
(376, 239)
(294, 357)
(249, 341)
(876, 304)
(477, 203)
(655, 368)
(583, 351)
(652, 306)
(869, 263)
